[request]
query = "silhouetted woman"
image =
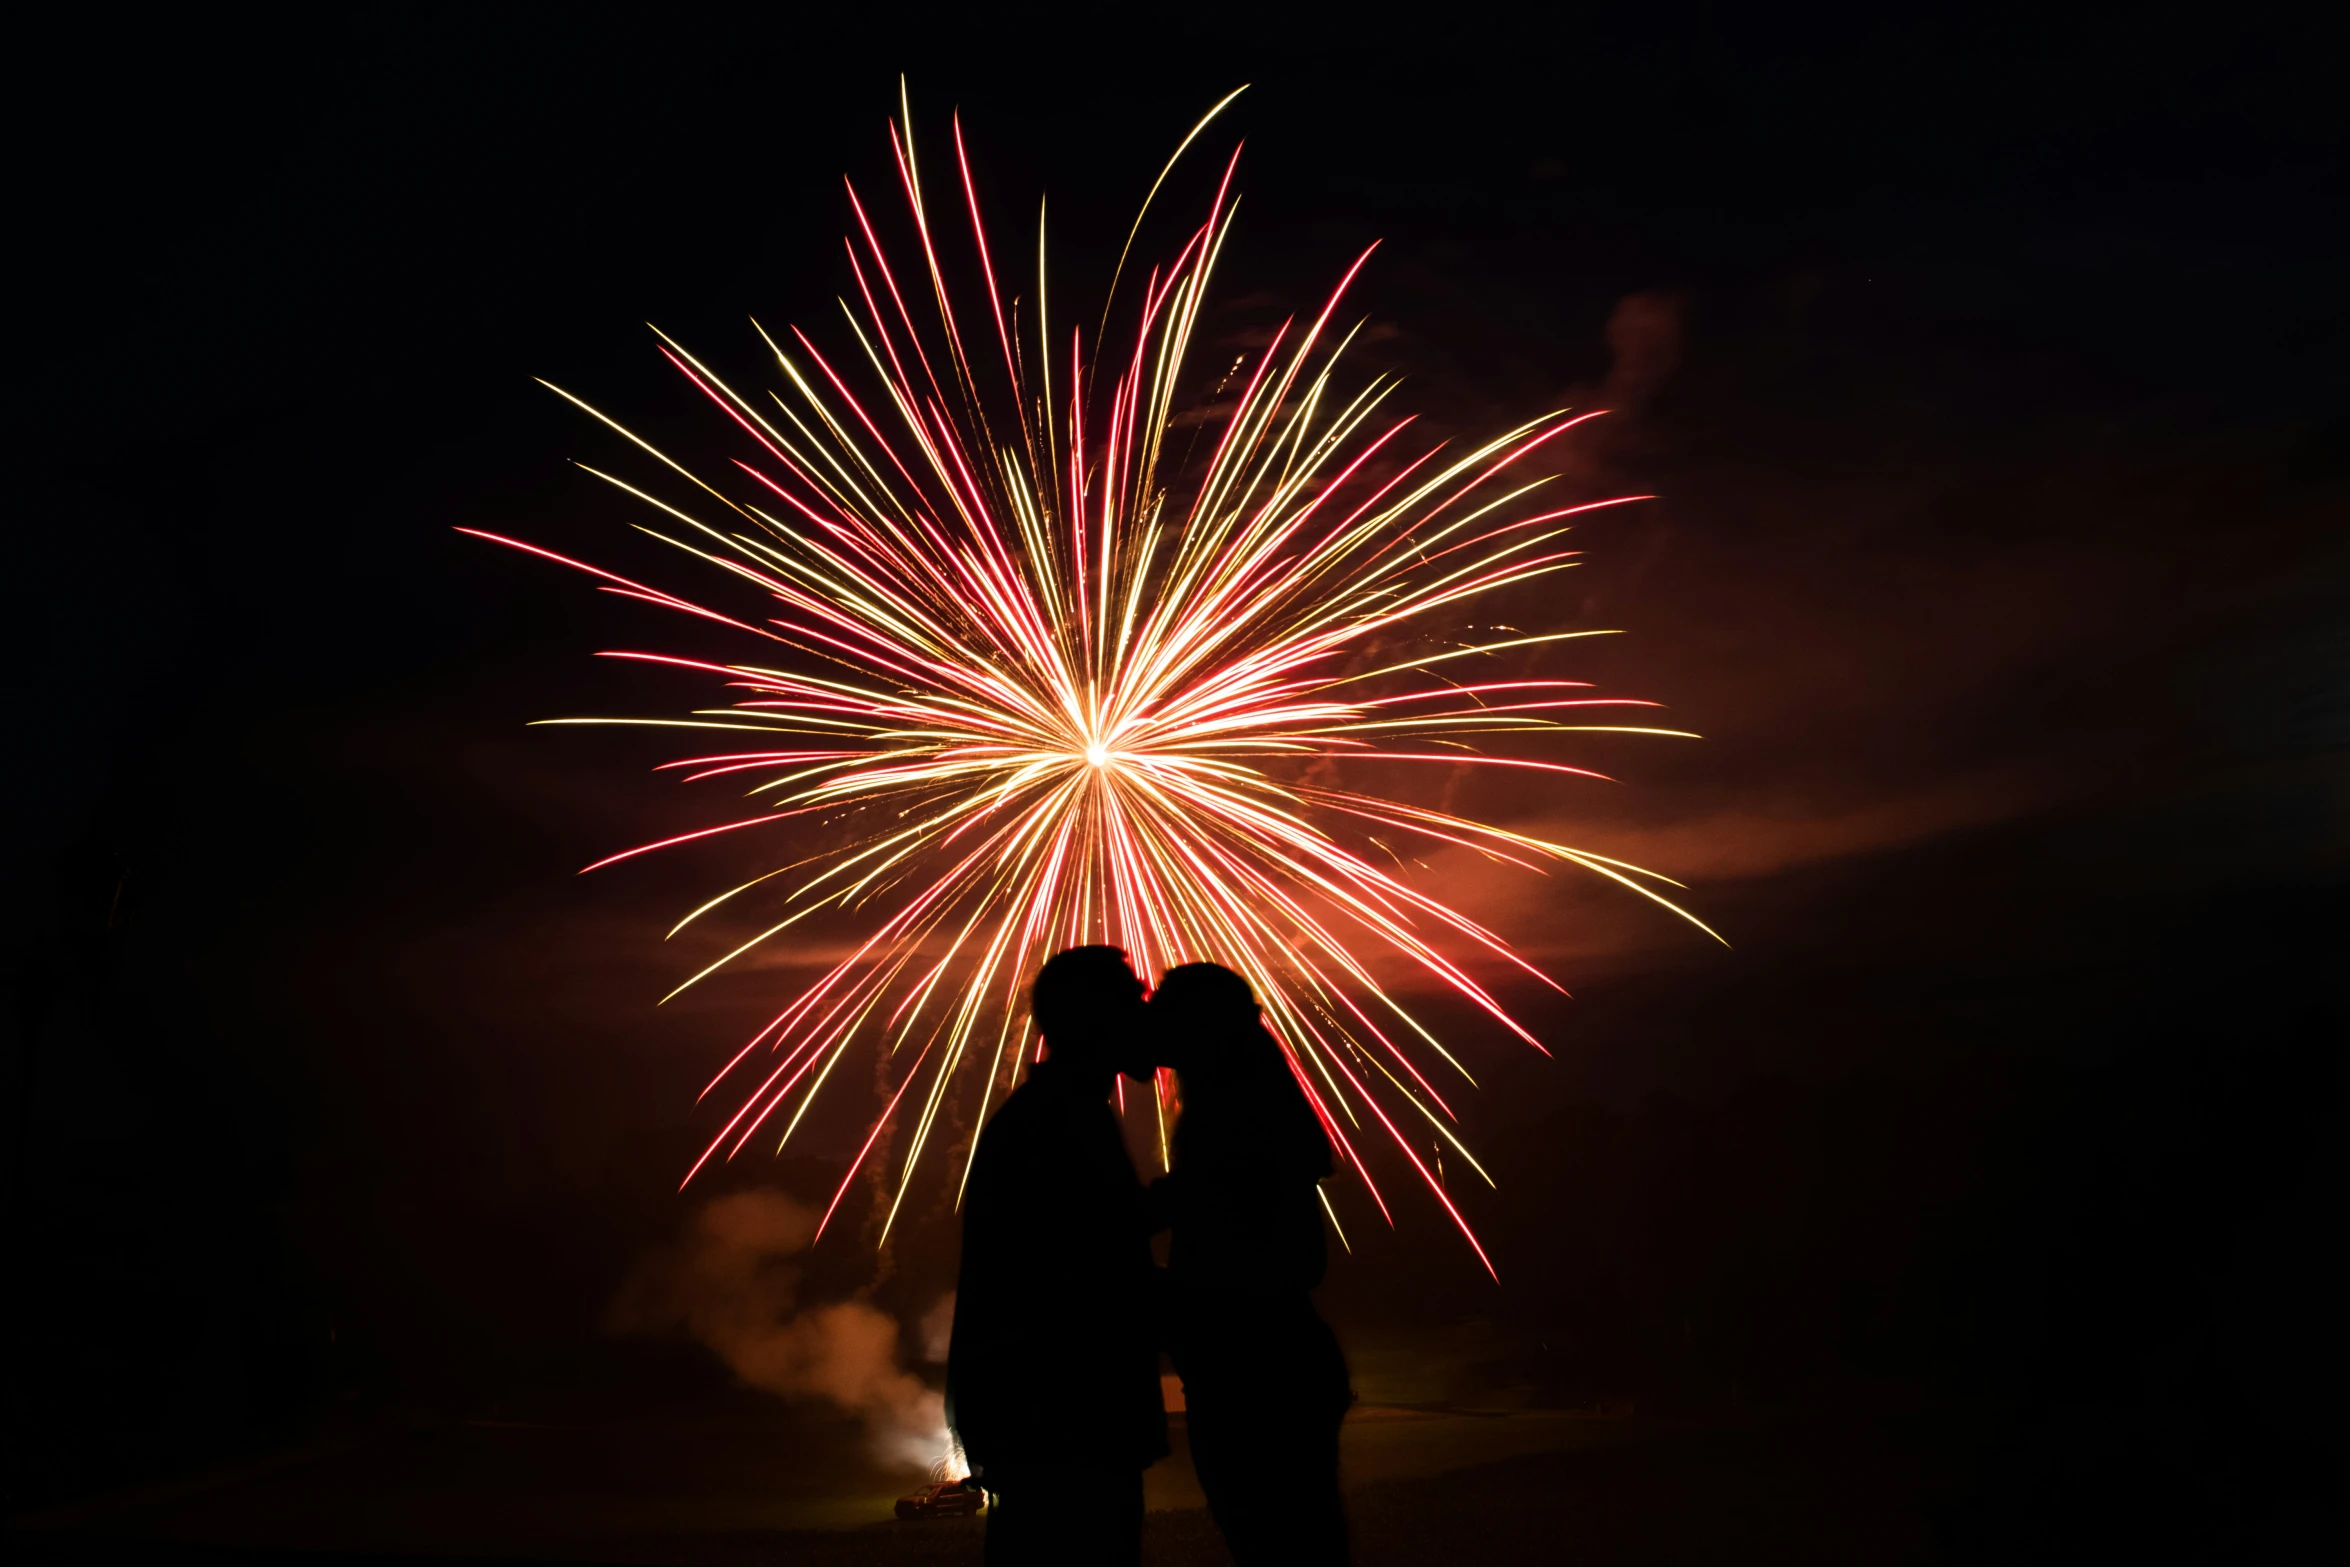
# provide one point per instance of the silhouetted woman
(1264, 1384)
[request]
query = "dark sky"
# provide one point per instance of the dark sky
(1988, 377)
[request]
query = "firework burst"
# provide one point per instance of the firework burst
(1080, 683)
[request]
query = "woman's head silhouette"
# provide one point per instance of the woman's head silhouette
(1241, 1100)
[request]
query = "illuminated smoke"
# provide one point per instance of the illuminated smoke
(732, 1284)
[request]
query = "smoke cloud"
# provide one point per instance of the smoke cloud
(731, 1284)
(1644, 335)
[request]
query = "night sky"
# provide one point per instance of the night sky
(1990, 382)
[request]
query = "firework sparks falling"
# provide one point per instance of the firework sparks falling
(1080, 682)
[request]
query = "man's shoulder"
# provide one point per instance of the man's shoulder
(1020, 1109)
(1037, 1119)
(1016, 1124)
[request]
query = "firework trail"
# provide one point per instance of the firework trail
(1078, 684)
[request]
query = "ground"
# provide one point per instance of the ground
(711, 1487)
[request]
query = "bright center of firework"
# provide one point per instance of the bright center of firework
(1098, 754)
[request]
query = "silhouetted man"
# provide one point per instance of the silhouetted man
(1052, 1376)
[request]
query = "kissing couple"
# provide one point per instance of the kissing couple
(1061, 1313)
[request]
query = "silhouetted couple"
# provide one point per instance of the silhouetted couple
(1060, 1313)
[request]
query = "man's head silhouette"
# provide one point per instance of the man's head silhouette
(1087, 1003)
